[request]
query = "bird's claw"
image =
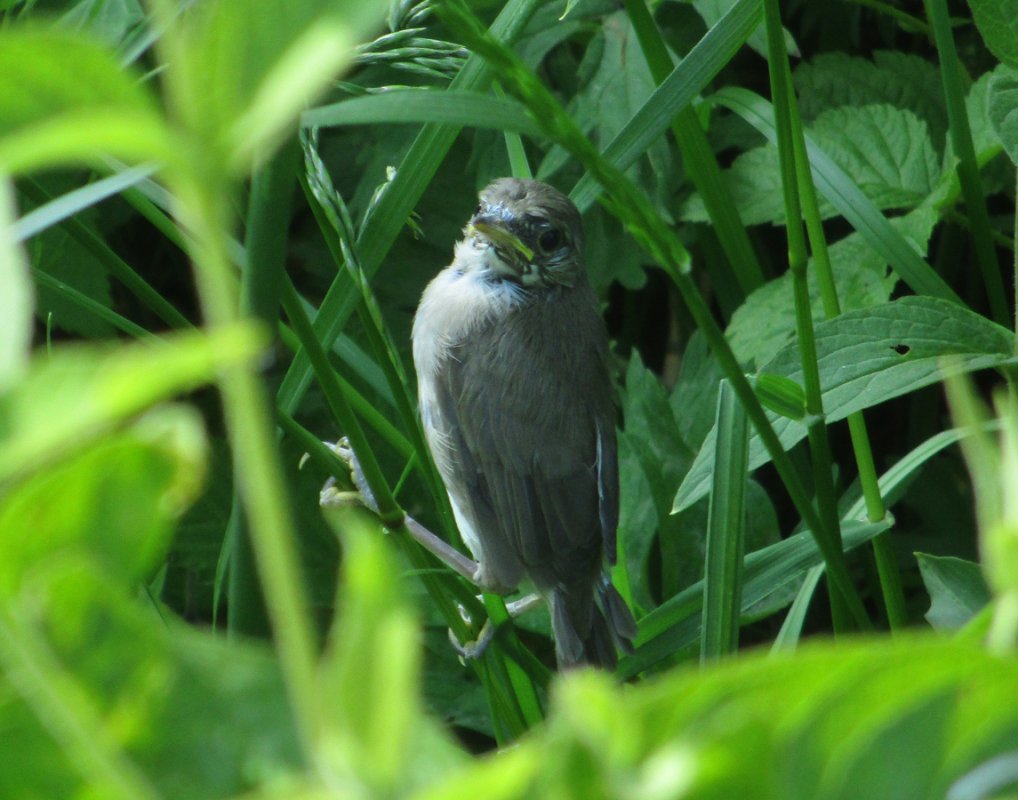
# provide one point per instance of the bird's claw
(475, 649)
(332, 496)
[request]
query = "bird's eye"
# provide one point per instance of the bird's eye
(478, 209)
(550, 240)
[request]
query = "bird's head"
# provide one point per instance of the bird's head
(527, 232)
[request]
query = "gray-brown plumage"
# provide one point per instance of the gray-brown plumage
(515, 396)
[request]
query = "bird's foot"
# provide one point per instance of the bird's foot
(474, 649)
(330, 495)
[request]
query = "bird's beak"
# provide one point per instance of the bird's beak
(499, 236)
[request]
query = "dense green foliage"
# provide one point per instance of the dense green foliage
(215, 221)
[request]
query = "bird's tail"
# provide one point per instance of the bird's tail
(590, 627)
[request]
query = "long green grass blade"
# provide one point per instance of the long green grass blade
(722, 582)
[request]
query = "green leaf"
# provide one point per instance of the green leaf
(689, 78)
(166, 711)
(765, 323)
(713, 10)
(781, 395)
(451, 107)
(61, 257)
(838, 187)
(16, 297)
(79, 392)
(900, 79)
(767, 573)
(998, 25)
(1003, 108)
(869, 356)
(240, 73)
(957, 590)
(832, 720)
(65, 99)
(886, 150)
(113, 501)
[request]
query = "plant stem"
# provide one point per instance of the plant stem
(258, 475)
(822, 463)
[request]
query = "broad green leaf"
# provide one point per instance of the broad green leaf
(765, 323)
(16, 298)
(832, 720)
(843, 192)
(113, 501)
(900, 79)
(65, 99)
(695, 394)
(869, 356)
(886, 150)
(79, 392)
(240, 72)
(1003, 108)
(998, 25)
(957, 590)
(174, 712)
(652, 444)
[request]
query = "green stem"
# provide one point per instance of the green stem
(265, 240)
(887, 570)
(258, 474)
(785, 123)
(968, 167)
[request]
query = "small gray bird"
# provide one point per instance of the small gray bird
(515, 397)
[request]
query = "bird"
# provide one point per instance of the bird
(517, 405)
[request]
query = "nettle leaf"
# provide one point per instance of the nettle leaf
(765, 323)
(654, 458)
(695, 396)
(1002, 108)
(902, 80)
(957, 590)
(998, 24)
(887, 151)
(984, 138)
(867, 357)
